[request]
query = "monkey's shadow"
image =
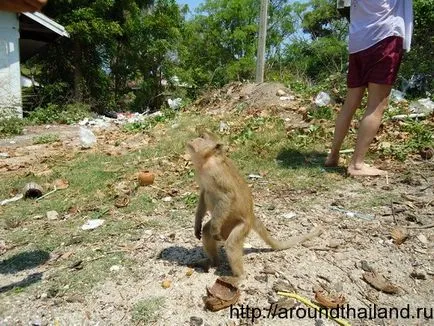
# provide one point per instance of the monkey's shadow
(190, 257)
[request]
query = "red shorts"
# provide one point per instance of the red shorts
(378, 64)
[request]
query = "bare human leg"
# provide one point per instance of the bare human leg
(378, 97)
(352, 102)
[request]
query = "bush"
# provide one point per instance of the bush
(11, 126)
(54, 113)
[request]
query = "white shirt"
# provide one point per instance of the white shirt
(374, 20)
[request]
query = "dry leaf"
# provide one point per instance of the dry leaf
(329, 302)
(221, 295)
(399, 235)
(380, 283)
(61, 184)
(122, 201)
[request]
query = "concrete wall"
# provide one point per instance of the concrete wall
(10, 74)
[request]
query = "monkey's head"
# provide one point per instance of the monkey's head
(203, 148)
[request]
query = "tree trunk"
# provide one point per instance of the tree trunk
(78, 75)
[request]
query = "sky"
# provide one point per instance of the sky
(192, 4)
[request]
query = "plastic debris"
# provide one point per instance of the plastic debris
(396, 96)
(408, 116)
(254, 176)
(223, 126)
(92, 224)
(4, 155)
(422, 106)
(10, 200)
(352, 214)
(87, 137)
(174, 104)
(322, 99)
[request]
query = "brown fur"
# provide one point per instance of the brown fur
(226, 195)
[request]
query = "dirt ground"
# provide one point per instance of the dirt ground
(350, 246)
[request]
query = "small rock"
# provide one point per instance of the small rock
(261, 278)
(338, 286)
(52, 215)
(280, 92)
(36, 323)
(167, 199)
(37, 217)
(420, 275)
(284, 286)
(44, 296)
(115, 268)
(148, 232)
(365, 266)
(166, 284)
(196, 321)
(272, 299)
(4, 155)
(289, 215)
(422, 239)
(334, 243)
(189, 272)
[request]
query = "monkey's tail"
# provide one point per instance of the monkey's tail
(259, 227)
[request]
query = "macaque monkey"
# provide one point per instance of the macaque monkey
(225, 194)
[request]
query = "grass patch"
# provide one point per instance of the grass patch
(147, 311)
(46, 139)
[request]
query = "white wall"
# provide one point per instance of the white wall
(10, 75)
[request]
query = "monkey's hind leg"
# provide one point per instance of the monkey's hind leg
(235, 248)
(210, 245)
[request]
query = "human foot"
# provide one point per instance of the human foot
(364, 170)
(331, 161)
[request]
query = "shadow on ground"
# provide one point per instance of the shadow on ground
(294, 159)
(23, 260)
(29, 280)
(190, 257)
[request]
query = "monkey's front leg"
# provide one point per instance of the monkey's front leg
(200, 213)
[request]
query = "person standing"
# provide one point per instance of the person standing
(379, 33)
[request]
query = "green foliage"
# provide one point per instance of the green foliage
(147, 310)
(420, 136)
(191, 200)
(11, 126)
(54, 113)
(46, 139)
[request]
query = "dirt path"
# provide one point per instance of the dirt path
(162, 244)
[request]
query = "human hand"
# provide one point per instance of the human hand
(22, 5)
